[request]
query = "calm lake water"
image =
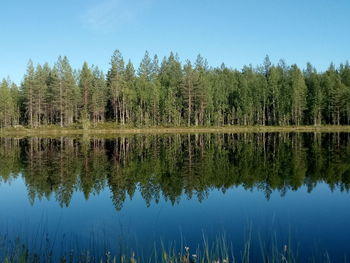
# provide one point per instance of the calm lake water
(70, 194)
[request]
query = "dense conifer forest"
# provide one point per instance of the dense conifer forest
(172, 93)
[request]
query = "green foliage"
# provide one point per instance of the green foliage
(9, 111)
(173, 94)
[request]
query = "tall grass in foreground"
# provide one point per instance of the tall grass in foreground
(219, 250)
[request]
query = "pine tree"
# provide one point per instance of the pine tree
(66, 94)
(314, 95)
(188, 90)
(273, 83)
(115, 83)
(298, 89)
(40, 90)
(7, 105)
(99, 96)
(170, 77)
(53, 106)
(86, 88)
(28, 88)
(45, 94)
(203, 93)
(130, 94)
(15, 104)
(332, 89)
(344, 72)
(266, 70)
(144, 88)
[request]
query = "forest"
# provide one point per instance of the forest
(172, 93)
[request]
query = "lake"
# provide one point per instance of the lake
(142, 193)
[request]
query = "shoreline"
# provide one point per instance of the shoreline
(168, 130)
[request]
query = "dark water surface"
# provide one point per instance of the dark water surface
(130, 192)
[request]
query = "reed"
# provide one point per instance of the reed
(217, 250)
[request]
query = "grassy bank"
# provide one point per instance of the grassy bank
(219, 250)
(113, 129)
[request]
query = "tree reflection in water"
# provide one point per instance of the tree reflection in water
(175, 166)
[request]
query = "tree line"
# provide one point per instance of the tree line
(175, 167)
(176, 94)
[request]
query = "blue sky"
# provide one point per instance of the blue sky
(229, 31)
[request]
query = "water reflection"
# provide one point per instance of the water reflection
(175, 167)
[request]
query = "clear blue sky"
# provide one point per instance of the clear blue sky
(229, 31)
